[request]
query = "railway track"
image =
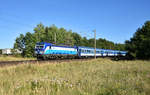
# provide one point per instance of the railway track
(10, 63)
(7, 63)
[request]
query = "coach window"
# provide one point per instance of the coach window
(106, 52)
(97, 51)
(85, 51)
(88, 51)
(82, 51)
(92, 51)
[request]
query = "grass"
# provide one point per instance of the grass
(11, 58)
(94, 77)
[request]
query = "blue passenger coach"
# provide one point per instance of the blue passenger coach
(90, 52)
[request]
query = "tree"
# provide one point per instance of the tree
(68, 39)
(139, 45)
(30, 41)
(77, 39)
(61, 36)
(120, 46)
(84, 42)
(39, 32)
(26, 43)
(20, 44)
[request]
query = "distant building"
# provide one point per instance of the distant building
(6, 51)
(11, 51)
(16, 51)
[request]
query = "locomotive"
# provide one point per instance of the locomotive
(45, 50)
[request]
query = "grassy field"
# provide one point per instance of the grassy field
(94, 77)
(11, 58)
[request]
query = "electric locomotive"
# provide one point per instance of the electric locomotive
(45, 50)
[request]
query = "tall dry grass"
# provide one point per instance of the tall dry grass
(94, 77)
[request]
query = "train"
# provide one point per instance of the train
(44, 50)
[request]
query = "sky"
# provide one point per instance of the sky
(114, 20)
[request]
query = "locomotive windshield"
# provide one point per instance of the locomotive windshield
(39, 47)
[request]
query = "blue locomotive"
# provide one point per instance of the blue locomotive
(45, 50)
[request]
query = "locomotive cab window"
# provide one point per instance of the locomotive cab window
(49, 47)
(39, 47)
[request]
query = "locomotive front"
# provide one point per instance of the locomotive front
(39, 49)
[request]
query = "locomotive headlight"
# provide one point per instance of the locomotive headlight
(36, 52)
(41, 52)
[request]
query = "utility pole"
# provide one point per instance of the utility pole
(55, 37)
(95, 43)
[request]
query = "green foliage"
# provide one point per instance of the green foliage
(15, 53)
(139, 45)
(20, 43)
(119, 46)
(103, 43)
(85, 42)
(39, 32)
(26, 43)
(77, 38)
(30, 41)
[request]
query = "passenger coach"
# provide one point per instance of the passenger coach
(90, 52)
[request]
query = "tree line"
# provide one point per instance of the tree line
(58, 36)
(138, 47)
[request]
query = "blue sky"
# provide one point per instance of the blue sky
(114, 20)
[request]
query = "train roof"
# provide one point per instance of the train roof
(100, 49)
(50, 44)
(45, 43)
